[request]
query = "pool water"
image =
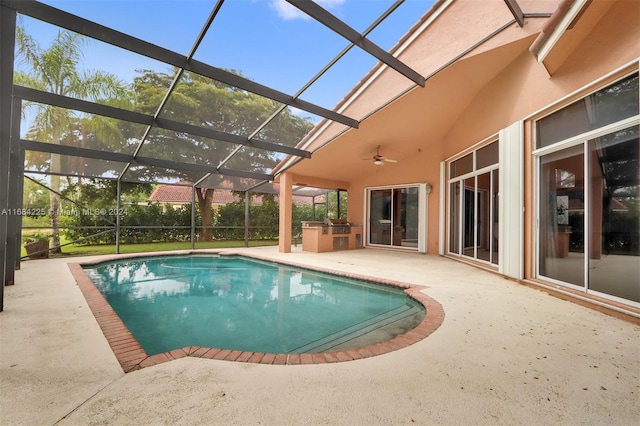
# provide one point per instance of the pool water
(233, 302)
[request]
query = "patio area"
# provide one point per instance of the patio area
(505, 354)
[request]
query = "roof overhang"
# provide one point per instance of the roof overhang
(561, 33)
(431, 111)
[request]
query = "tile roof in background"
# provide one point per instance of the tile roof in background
(173, 194)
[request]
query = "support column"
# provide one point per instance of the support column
(286, 212)
(246, 219)
(326, 206)
(7, 42)
(18, 224)
(118, 189)
(14, 219)
(313, 208)
(193, 217)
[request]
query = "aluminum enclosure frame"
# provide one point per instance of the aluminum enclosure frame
(10, 195)
(71, 22)
(7, 42)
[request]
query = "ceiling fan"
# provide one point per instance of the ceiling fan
(379, 160)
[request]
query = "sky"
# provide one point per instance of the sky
(268, 41)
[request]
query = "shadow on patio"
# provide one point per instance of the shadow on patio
(505, 353)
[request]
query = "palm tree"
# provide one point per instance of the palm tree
(56, 70)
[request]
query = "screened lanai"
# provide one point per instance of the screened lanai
(172, 128)
(143, 90)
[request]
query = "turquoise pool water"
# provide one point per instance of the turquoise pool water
(237, 303)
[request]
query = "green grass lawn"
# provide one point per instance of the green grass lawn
(91, 250)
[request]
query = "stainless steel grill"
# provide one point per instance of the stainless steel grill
(339, 226)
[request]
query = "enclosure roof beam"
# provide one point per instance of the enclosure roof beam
(178, 75)
(252, 187)
(39, 96)
(91, 29)
(336, 25)
(320, 73)
(128, 158)
(516, 11)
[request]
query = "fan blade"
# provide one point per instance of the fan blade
(389, 160)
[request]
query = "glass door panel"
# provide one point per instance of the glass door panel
(561, 248)
(494, 215)
(454, 215)
(380, 216)
(469, 219)
(614, 218)
(406, 223)
(483, 221)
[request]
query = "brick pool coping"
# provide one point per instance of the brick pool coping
(132, 356)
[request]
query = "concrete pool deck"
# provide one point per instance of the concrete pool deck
(505, 354)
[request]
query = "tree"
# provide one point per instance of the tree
(207, 103)
(96, 209)
(333, 205)
(56, 70)
(35, 198)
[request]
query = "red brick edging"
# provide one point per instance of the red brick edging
(132, 357)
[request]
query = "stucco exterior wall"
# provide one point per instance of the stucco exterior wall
(524, 87)
(436, 40)
(423, 167)
(520, 89)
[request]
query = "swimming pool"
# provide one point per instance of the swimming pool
(243, 304)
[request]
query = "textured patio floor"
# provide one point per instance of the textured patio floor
(505, 354)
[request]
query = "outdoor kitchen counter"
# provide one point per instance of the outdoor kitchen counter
(319, 237)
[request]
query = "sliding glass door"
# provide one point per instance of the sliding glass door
(588, 177)
(589, 221)
(394, 216)
(473, 205)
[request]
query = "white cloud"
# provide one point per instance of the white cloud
(330, 4)
(297, 111)
(288, 12)
(304, 114)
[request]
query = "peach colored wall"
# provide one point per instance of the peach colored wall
(524, 87)
(612, 43)
(286, 200)
(461, 25)
(521, 89)
(422, 167)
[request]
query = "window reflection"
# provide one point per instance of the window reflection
(614, 221)
(598, 215)
(393, 217)
(606, 106)
(380, 217)
(473, 205)
(561, 249)
(454, 215)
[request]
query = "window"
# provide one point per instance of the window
(609, 105)
(473, 205)
(588, 212)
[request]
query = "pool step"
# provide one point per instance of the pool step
(330, 341)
